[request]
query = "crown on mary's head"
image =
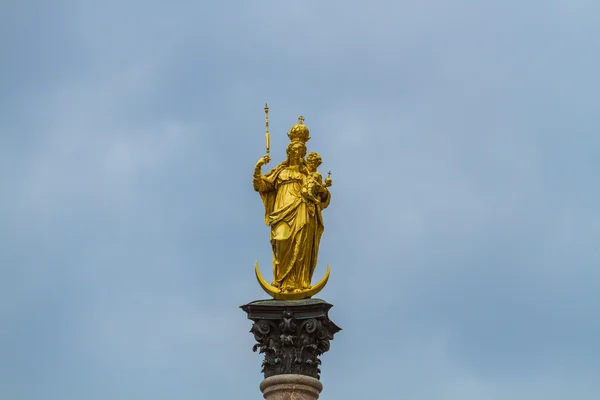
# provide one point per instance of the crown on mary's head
(299, 132)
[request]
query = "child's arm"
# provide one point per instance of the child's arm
(308, 193)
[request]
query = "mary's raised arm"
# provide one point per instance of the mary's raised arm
(259, 183)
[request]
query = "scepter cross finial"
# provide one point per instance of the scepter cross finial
(301, 119)
(329, 174)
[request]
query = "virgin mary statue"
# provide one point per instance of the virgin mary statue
(294, 217)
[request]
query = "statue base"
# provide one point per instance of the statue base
(291, 387)
(292, 334)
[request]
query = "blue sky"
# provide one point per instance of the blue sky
(463, 142)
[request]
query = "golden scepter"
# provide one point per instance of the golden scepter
(267, 136)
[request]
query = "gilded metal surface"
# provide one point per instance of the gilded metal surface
(294, 195)
(278, 295)
(267, 135)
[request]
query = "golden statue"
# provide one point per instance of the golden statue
(293, 194)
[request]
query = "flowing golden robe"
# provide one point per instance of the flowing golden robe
(296, 225)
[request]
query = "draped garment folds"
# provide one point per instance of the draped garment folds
(296, 225)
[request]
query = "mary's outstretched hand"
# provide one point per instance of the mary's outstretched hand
(263, 160)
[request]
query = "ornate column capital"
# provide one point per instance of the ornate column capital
(292, 334)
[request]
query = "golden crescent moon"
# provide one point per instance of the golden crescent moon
(277, 295)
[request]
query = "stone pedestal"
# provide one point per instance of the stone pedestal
(292, 334)
(291, 387)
